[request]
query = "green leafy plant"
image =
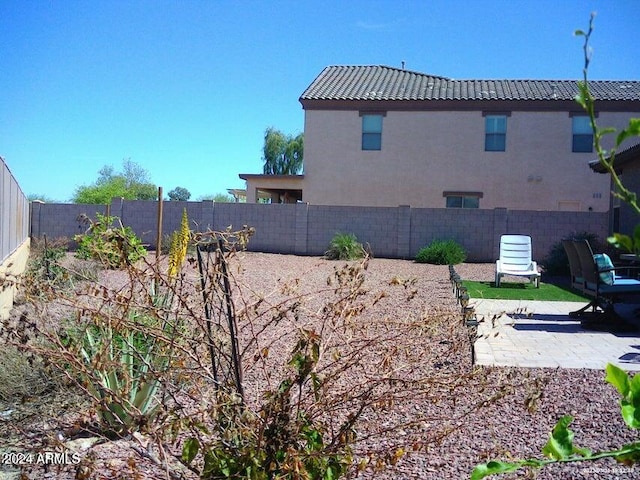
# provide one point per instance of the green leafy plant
(345, 246)
(441, 252)
(283, 441)
(560, 447)
(113, 245)
(607, 158)
(123, 362)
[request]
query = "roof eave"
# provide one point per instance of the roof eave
(621, 159)
(465, 104)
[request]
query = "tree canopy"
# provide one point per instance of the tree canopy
(217, 197)
(132, 183)
(41, 198)
(282, 154)
(179, 194)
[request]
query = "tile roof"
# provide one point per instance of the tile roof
(377, 82)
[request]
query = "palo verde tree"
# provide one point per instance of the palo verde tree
(282, 154)
(132, 183)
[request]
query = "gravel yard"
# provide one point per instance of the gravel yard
(453, 416)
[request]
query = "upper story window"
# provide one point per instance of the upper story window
(582, 134)
(495, 138)
(462, 199)
(372, 131)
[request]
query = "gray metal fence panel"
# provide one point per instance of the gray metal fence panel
(14, 213)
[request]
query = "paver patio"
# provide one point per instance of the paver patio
(540, 334)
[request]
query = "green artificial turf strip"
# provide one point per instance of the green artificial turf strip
(521, 291)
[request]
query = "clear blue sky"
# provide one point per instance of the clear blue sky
(186, 88)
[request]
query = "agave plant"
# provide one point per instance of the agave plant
(122, 375)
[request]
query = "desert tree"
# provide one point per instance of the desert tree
(132, 183)
(282, 154)
(179, 194)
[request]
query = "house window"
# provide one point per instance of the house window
(372, 132)
(462, 199)
(495, 138)
(582, 134)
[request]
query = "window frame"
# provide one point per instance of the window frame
(371, 138)
(464, 197)
(495, 138)
(579, 139)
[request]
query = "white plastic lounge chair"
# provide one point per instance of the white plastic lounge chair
(515, 259)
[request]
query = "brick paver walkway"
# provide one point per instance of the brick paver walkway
(541, 334)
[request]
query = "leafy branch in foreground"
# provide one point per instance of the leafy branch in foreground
(560, 447)
(607, 158)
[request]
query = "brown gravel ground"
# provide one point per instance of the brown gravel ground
(463, 415)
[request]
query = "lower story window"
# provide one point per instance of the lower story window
(462, 199)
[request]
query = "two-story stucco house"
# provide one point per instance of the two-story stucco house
(382, 136)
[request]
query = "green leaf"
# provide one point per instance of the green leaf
(579, 33)
(329, 475)
(316, 383)
(560, 444)
(493, 467)
(314, 440)
(630, 453)
(190, 449)
(618, 378)
(632, 130)
(580, 100)
(634, 389)
(621, 241)
(630, 414)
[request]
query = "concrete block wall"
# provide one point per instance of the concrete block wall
(473, 229)
(302, 229)
(275, 224)
(546, 228)
(58, 220)
(142, 217)
(376, 226)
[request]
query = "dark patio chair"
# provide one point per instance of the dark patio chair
(603, 285)
(577, 280)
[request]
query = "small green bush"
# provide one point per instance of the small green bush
(113, 245)
(442, 252)
(345, 246)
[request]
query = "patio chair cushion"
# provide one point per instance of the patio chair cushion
(621, 285)
(605, 268)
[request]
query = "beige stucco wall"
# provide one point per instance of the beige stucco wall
(426, 153)
(13, 266)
